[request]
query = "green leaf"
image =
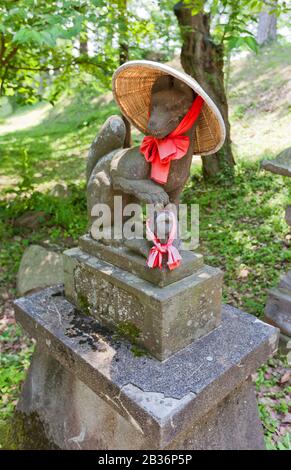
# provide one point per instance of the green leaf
(28, 36)
(251, 43)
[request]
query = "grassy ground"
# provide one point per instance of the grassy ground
(55, 148)
(242, 226)
(260, 103)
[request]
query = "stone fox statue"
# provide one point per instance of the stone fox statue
(113, 170)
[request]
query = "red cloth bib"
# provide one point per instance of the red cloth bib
(160, 152)
(155, 258)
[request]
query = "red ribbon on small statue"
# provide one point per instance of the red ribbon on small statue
(155, 258)
(160, 152)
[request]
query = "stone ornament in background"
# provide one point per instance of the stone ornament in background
(39, 268)
(278, 308)
(281, 165)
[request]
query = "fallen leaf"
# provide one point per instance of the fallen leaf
(286, 377)
(243, 273)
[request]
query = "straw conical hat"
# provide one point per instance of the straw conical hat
(132, 83)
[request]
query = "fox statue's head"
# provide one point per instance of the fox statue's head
(170, 101)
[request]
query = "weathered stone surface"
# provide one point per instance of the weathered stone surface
(285, 283)
(126, 259)
(285, 346)
(232, 424)
(74, 417)
(164, 320)
(39, 268)
(281, 165)
(288, 215)
(278, 308)
(161, 402)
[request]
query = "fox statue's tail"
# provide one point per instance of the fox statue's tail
(111, 137)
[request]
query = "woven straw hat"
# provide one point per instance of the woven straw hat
(132, 84)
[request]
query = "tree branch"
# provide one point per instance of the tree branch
(2, 48)
(3, 81)
(10, 55)
(35, 69)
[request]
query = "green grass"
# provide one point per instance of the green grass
(242, 227)
(13, 365)
(243, 231)
(274, 403)
(57, 147)
(260, 103)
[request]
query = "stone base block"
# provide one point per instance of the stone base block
(73, 417)
(89, 391)
(162, 320)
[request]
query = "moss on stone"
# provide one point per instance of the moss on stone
(25, 432)
(138, 351)
(83, 304)
(127, 329)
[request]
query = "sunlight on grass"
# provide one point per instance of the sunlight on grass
(260, 103)
(56, 148)
(25, 119)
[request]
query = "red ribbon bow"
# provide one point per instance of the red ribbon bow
(160, 152)
(155, 258)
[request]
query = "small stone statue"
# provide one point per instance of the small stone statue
(179, 119)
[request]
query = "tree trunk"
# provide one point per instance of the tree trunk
(124, 57)
(267, 27)
(83, 45)
(204, 60)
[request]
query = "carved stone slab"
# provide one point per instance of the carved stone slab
(163, 320)
(136, 264)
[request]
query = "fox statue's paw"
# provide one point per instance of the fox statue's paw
(159, 196)
(146, 191)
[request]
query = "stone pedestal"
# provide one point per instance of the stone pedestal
(163, 320)
(278, 309)
(88, 390)
(133, 263)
